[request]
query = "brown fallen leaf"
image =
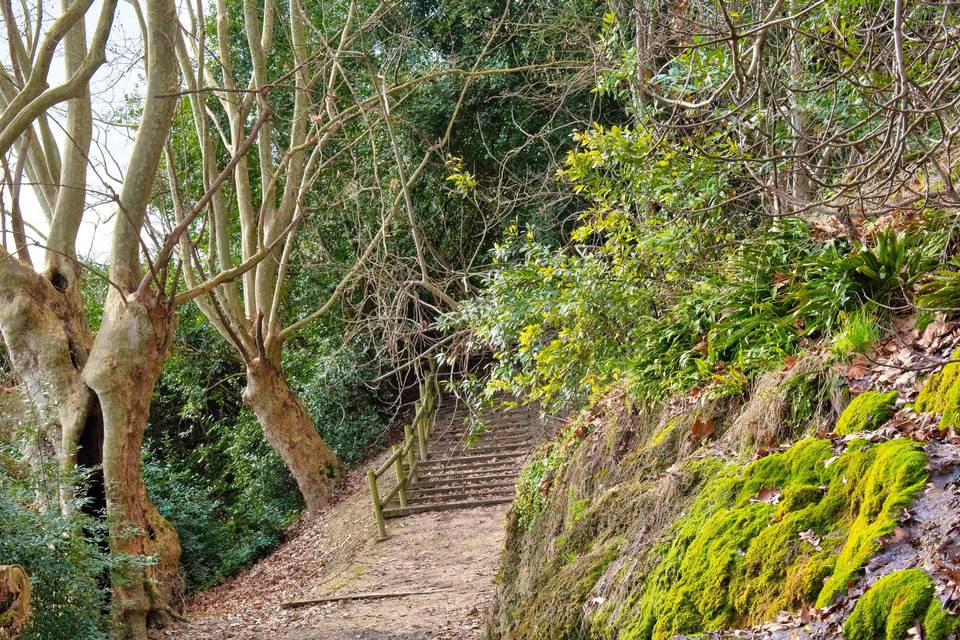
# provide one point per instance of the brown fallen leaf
(701, 429)
(770, 495)
(916, 632)
(857, 369)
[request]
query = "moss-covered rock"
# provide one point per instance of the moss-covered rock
(738, 556)
(941, 394)
(896, 603)
(866, 412)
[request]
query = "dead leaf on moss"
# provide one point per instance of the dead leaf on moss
(701, 429)
(915, 632)
(811, 536)
(770, 495)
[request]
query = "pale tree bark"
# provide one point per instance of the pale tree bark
(246, 316)
(128, 354)
(247, 313)
(290, 431)
(97, 391)
(42, 315)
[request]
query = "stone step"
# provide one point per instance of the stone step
(445, 482)
(483, 442)
(487, 437)
(443, 506)
(435, 454)
(433, 474)
(478, 488)
(454, 496)
(466, 460)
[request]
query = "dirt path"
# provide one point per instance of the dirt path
(454, 553)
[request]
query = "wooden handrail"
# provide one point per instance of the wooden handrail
(409, 454)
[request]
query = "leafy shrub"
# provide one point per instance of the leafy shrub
(659, 285)
(942, 289)
(896, 260)
(68, 569)
(328, 376)
(216, 538)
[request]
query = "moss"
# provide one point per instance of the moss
(536, 478)
(895, 604)
(737, 556)
(941, 394)
(879, 482)
(866, 412)
(551, 614)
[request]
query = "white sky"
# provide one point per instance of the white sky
(119, 77)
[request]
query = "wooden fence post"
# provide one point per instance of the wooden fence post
(401, 479)
(408, 445)
(377, 507)
(422, 431)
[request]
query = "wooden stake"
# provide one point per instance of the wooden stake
(408, 444)
(377, 507)
(401, 480)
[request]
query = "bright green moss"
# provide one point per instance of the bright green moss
(736, 560)
(866, 412)
(880, 482)
(941, 394)
(896, 603)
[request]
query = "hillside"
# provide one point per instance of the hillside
(723, 516)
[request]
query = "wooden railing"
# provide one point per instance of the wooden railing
(407, 455)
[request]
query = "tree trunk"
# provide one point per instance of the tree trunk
(290, 431)
(123, 367)
(48, 340)
(14, 601)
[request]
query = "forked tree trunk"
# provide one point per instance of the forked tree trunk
(291, 432)
(123, 367)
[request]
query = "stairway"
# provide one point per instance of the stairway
(464, 470)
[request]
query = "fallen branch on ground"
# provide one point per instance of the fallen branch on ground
(356, 596)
